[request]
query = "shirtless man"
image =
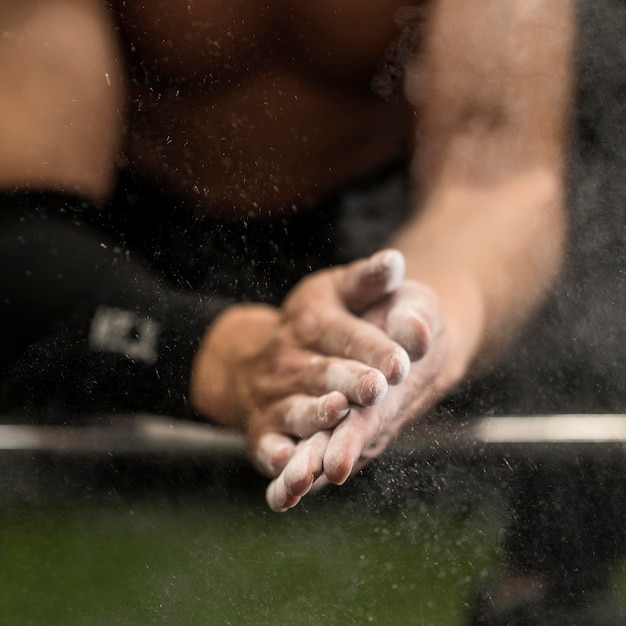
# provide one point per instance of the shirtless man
(258, 115)
(248, 120)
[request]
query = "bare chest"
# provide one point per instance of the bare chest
(220, 41)
(240, 104)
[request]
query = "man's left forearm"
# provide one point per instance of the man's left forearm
(491, 255)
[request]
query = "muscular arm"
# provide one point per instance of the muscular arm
(492, 90)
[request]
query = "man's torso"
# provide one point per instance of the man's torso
(247, 109)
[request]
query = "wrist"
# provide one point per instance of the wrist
(220, 369)
(463, 311)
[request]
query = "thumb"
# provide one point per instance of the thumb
(362, 283)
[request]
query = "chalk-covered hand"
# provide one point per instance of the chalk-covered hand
(255, 373)
(411, 316)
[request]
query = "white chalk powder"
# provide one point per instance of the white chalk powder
(371, 388)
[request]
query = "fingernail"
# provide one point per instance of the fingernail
(373, 388)
(394, 262)
(397, 366)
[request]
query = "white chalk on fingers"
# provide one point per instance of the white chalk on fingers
(320, 483)
(406, 327)
(277, 497)
(348, 441)
(305, 465)
(331, 409)
(363, 387)
(392, 264)
(272, 453)
(338, 466)
(398, 365)
(374, 388)
(305, 415)
(339, 460)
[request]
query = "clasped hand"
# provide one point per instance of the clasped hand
(322, 385)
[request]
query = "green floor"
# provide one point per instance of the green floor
(225, 563)
(140, 542)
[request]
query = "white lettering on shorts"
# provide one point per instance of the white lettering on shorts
(124, 332)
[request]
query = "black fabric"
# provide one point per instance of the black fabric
(250, 259)
(568, 522)
(85, 288)
(86, 324)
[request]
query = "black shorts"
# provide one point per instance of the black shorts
(252, 259)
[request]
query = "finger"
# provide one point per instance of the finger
(306, 464)
(277, 497)
(348, 442)
(319, 375)
(320, 483)
(374, 449)
(365, 281)
(407, 326)
(272, 452)
(298, 476)
(411, 317)
(359, 383)
(300, 372)
(301, 415)
(343, 335)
